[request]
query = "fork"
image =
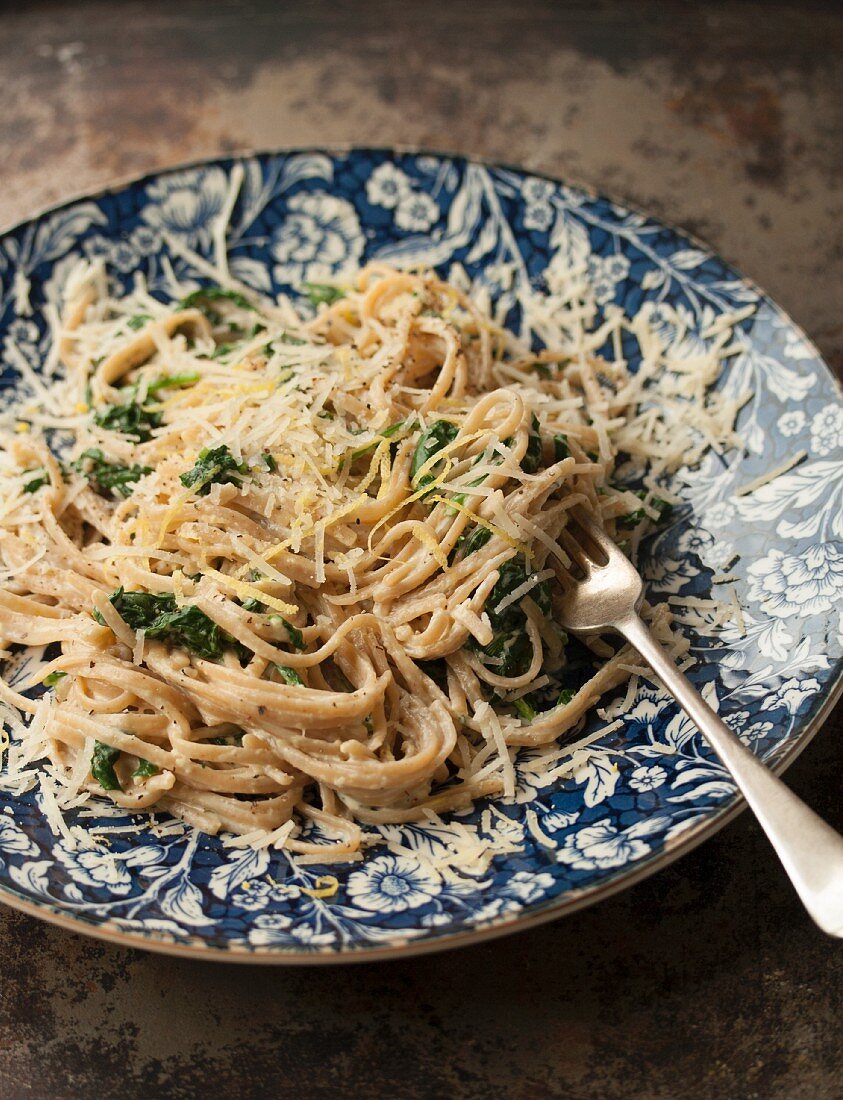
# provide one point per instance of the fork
(603, 590)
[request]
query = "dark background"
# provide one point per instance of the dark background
(727, 119)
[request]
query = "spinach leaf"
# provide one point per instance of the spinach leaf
(560, 447)
(136, 421)
(392, 429)
(295, 635)
(256, 607)
(234, 740)
(201, 299)
(108, 476)
(513, 573)
(432, 440)
(663, 507)
(192, 629)
(138, 321)
(467, 543)
(215, 464)
(317, 293)
(40, 479)
(387, 433)
(103, 759)
(565, 696)
(145, 769)
(270, 462)
(222, 349)
(459, 498)
(53, 678)
(186, 378)
(525, 709)
(510, 652)
(478, 537)
(289, 675)
(161, 619)
(251, 604)
(532, 459)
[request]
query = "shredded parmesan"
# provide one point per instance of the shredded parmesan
(771, 475)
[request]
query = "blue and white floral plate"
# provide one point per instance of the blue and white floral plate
(641, 795)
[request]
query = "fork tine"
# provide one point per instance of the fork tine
(594, 534)
(567, 580)
(576, 552)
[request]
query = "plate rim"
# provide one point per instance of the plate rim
(563, 905)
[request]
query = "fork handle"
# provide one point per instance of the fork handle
(810, 850)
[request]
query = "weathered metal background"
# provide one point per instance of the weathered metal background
(707, 981)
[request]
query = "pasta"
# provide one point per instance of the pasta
(294, 567)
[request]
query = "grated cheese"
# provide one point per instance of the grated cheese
(490, 727)
(771, 475)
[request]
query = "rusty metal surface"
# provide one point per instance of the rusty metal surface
(706, 981)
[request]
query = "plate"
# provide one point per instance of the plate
(644, 792)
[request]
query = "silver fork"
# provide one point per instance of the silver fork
(605, 594)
